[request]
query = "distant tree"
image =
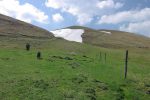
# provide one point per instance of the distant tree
(27, 46)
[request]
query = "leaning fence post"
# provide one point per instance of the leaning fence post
(126, 64)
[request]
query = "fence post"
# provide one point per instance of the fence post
(100, 56)
(126, 64)
(105, 57)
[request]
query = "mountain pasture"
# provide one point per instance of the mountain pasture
(71, 71)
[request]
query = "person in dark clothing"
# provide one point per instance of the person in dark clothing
(39, 55)
(27, 46)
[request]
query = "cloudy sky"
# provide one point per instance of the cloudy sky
(126, 15)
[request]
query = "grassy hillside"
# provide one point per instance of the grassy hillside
(11, 27)
(71, 71)
(117, 39)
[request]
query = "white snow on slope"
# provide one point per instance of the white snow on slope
(106, 32)
(69, 34)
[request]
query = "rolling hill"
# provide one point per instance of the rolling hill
(113, 38)
(11, 27)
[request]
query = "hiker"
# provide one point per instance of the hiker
(27, 46)
(39, 55)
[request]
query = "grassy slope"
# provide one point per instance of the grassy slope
(117, 39)
(86, 77)
(11, 27)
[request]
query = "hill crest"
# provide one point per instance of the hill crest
(11, 27)
(109, 38)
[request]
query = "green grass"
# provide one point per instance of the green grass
(85, 77)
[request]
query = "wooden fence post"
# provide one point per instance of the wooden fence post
(100, 56)
(126, 64)
(105, 57)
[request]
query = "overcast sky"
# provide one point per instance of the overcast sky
(126, 15)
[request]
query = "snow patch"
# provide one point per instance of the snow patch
(106, 32)
(69, 34)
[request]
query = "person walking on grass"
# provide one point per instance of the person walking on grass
(27, 46)
(39, 55)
